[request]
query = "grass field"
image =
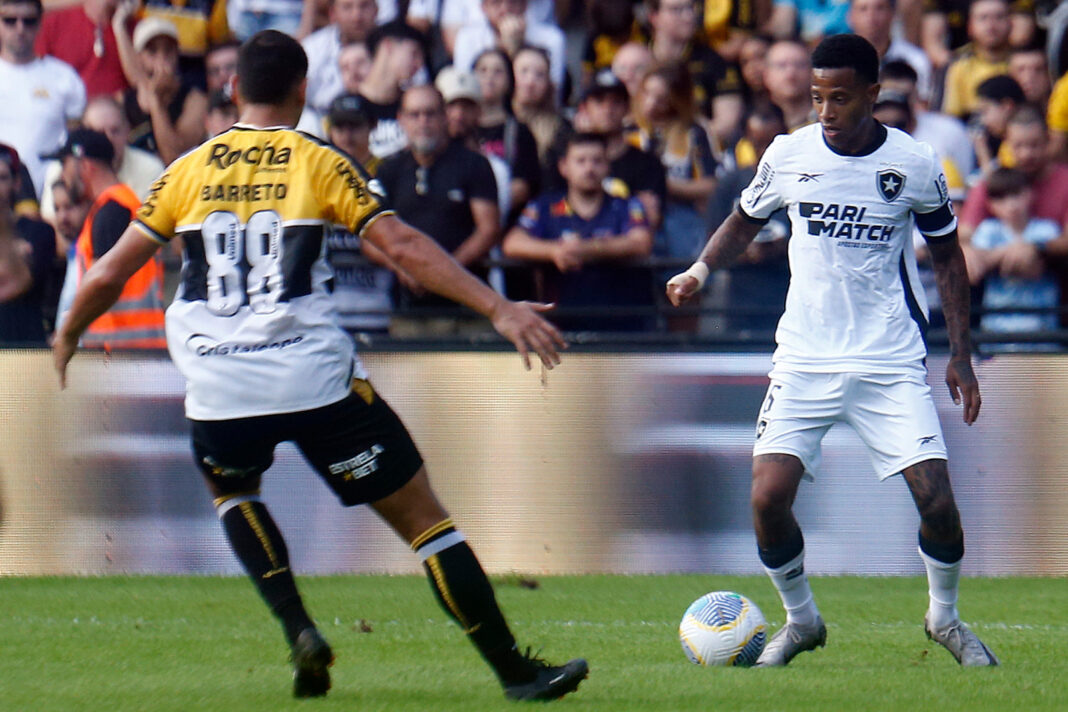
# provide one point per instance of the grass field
(118, 644)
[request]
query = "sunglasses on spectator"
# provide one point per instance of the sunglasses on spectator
(26, 21)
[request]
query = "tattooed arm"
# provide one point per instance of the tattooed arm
(727, 243)
(951, 275)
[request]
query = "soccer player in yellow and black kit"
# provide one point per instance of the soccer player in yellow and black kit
(253, 331)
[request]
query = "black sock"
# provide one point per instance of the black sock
(465, 593)
(782, 554)
(261, 549)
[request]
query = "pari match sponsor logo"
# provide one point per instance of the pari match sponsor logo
(203, 345)
(846, 223)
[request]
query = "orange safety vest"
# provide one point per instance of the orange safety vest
(136, 319)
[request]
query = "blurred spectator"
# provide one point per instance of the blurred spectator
(136, 320)
(398, 55)
(631, 63)
(1006, 253)
(135, 167)
(81, 36)
(27, 251)
(500, 133)
(986, 56)
(222, 114)
(944, 29)
(1057, 116)
(873, 20)
(165, 111)
(71, 207)
(507, 28)
(667, 127)
(354, 63)
(726, 24)
(25, 199)
(632, 172)
(362, 288)
(752, 63)
(456, 14)
(946, 134)
(463, 113)
(787, 77)
(1029, 67)
(446, 190)
(810, 19)
(1027, 139)
(38, 96)
(247, 17)
(201, 24)
(717, 85)
(350, 21)
(534, 101)
(611, 25)
(220, 65)
(997, 99)
(761, 275)
(591, 239)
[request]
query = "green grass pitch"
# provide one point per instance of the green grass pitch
(195, 643)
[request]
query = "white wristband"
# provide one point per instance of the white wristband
(698, 270)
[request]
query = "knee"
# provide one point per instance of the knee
(767, 498)
(939, 512)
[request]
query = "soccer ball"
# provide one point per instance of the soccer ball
(723, 628)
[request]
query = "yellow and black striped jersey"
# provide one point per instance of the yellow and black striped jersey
(253, 327)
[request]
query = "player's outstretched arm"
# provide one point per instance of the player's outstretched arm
(99, 290)
(951, 275)
(435, 269)
(723, 248)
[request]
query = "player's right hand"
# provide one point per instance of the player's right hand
(682, 288)
(520, 323)
(63, 349)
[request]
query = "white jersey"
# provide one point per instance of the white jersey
(855, 301)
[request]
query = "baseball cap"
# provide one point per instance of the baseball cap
(605, 82)
(455, 84)
(151, 27)
(348, 109)
(86, 143)
(890, 97)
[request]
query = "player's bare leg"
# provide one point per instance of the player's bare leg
(261, 549)
(465, 593)
(942, 549)
(782, 551)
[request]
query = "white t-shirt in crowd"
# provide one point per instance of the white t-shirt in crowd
(37, 100)
(456, 13)
(472, 40)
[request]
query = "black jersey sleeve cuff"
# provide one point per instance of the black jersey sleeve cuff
(937, 223)
(750, 219)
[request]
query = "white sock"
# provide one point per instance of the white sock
(942, 584)
(792, 584)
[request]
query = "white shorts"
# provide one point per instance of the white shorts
(893, 414)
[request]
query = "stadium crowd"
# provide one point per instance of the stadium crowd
(573, 152)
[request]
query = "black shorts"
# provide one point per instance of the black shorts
(358, 446)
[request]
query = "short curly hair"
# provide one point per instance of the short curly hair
(848, 51)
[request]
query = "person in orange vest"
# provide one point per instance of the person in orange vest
(136, 319)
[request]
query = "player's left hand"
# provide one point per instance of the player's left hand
(963, 385)
(520, 323)
(63, 349)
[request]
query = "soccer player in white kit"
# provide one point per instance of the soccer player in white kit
(850, 345)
